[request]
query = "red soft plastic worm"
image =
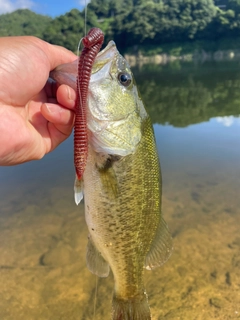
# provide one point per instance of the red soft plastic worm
(92, 43)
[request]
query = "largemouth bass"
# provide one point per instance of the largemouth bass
(121, 186)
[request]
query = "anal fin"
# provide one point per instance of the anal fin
(78, 190)
(161, 247)
(95, 261)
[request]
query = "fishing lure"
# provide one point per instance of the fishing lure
(92, 43)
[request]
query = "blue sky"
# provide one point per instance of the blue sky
(51, 8)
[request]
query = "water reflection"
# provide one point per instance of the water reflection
(43, 236)
(188, 93)
(228, 121)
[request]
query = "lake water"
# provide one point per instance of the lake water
(195, 109)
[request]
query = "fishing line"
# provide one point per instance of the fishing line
(79, 45)
(86, 17)
(78, 84)
(95, 298)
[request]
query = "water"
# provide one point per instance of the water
(195, 110)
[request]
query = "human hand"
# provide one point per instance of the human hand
(35, 116)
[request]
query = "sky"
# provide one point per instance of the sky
(51, 8)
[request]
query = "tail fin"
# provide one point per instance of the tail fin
(132, 309)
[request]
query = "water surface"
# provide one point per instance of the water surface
(195, 110)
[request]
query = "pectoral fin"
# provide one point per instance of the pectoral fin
(109, 182)
(161, 248)
(95, 261)
(108, 176)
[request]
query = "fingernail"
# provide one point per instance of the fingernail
(49, 109)
(71, 100)
(52, 108)
(69, 93)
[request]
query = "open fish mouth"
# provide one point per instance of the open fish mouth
(67, 73)
(104, 56)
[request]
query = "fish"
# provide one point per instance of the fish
(121, 184)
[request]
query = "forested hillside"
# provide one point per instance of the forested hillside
(23, 22)
(132, 22)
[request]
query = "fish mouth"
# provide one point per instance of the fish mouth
(108, 52)
(102, 65)
(67, 73)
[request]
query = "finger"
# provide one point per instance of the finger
(58, 55)
(56, 136)
(66, 96)
(60, 117)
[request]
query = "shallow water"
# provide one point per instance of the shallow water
(43, 235)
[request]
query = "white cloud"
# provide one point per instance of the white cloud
(226, 121)
(7, 6)
(82, 3)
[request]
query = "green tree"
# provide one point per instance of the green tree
(23, 22)
(103, 9)
(220, 25)
(66, 30)
(183, 19)
(131, 22)
(135, 22)
(233, 6)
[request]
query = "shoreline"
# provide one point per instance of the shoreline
(201, 55)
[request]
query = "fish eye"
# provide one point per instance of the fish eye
(125, 79)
